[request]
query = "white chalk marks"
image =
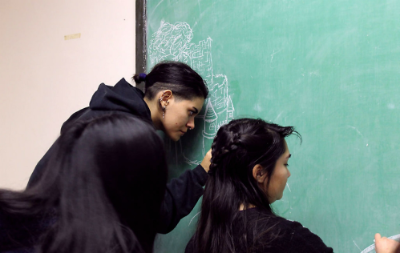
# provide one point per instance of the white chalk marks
(174, 42)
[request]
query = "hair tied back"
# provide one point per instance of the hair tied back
(139, 78)
(142, 76)
(235, 141)
(235, 137)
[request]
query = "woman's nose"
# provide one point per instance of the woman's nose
(190, 124)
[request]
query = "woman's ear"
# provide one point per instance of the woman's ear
(165, 95)
(259, 174)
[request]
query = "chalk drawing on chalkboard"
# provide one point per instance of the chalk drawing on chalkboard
(174, 42)
(371, 248)
(193, 218)
(356, 245)
(287, 184)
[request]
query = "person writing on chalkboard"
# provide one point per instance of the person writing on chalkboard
(386, 245)
(174, 95)
(91, 196)
(248, 172)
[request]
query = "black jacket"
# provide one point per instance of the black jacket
(182, 193)
(282, 236)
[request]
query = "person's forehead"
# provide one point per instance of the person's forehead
(286, 145)
(196, 101)
(287, 151)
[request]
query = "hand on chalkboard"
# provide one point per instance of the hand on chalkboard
(386, 245)
(206, 161)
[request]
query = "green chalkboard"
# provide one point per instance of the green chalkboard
(329, 68)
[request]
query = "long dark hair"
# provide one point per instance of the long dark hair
(236, 149)
(180, 78)
(101, 190)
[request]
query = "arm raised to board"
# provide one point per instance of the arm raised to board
(182, 194)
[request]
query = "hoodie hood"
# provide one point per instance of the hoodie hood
(122, 97)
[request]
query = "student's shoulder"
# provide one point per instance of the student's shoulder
(263, 217)
(301, 239)
(289, 224)
(291, 236)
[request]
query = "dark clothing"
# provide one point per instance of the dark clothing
(288, 236)
(122, 98)
(181, 194)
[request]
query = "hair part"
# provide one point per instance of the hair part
(180, 78)
(236, 149)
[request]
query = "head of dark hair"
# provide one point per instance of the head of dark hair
(182, 80)
(236, 149)
(105, 182)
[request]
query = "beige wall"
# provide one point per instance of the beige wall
(45, 78)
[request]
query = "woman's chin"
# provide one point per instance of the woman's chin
(174, 137)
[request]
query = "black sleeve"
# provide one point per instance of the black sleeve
(181, 196)
(301, 240)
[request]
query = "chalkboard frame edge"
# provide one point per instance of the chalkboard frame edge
(140, 58)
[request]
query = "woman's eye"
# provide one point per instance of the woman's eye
(286, 164)
(191, 113)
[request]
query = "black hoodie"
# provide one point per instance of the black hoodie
(182, 193)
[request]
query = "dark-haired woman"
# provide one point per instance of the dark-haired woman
(174, 95)
(97, 193)
(248, 172)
